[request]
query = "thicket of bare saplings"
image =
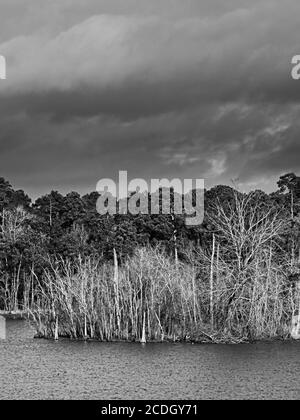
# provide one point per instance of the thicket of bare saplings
(234, 290)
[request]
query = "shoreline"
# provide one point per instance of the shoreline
(170, 341)
(25, 316)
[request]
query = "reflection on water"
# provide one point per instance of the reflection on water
(2, 328)
(41, 369)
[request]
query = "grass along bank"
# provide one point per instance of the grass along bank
(167, 301)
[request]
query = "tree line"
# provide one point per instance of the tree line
(56, 226)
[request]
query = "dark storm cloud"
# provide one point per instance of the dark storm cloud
(165, 88)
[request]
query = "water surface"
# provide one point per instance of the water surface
(41, 369)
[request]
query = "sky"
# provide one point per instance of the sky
(160, 88)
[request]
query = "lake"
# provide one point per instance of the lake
(41, 369)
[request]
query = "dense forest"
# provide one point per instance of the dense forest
(150, 277)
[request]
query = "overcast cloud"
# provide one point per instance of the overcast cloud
(198, 89)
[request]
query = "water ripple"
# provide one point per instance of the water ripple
(41, 369)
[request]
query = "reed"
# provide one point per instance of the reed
(165, 300)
